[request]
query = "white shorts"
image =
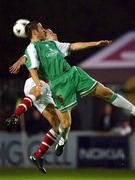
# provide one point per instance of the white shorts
(45, 99)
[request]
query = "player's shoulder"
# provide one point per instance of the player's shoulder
(31, 45)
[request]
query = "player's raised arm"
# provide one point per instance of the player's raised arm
(83, 45)
(14, 69)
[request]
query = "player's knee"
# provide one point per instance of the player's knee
(50, 107)
(66, 124)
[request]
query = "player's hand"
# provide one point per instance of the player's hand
(39, 86)
(14, 69)
(103, 43)
(39, 89)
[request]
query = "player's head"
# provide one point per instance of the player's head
(34, 29)
(50, 35)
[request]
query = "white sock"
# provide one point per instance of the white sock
(121, 102)
(55, 134)
(64, 132)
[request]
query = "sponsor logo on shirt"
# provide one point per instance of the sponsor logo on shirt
(51, 52)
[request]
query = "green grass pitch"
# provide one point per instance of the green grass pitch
(66, 174)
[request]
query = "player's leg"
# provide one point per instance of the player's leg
(50, 114)
(45, 106)
(49, 138)
(27, 101)
(65, 98)
(87, 85)
(47, 141)
(64, 128)
(31, 94)
(29, 91)
(115, 99)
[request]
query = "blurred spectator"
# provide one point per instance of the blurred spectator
(105, 121)
(124, 129)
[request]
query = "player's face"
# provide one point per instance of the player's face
(41, 32)
(50, 35)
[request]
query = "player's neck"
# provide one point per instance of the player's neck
(35, 39)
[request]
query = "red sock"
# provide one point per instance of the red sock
(48, 140)
(25, 104)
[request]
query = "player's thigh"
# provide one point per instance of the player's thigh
(102, 92)
(45, 100)
(42, 102)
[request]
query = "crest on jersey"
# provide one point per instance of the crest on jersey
(60, 99)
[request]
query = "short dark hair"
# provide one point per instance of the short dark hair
(33, 25)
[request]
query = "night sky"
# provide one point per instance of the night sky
(72, 20)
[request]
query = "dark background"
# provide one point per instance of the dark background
(72, 20)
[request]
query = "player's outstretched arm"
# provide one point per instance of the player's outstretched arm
(14, 69)
(83, 45)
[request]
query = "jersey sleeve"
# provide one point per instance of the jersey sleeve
(32, 58)
(63, 47)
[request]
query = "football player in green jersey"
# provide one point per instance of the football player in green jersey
(42, 105)
(98, 89)
(46, 61)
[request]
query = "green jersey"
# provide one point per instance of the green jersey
(48, 58)
(66, 82)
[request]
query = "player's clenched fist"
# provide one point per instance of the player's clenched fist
(103, 43)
